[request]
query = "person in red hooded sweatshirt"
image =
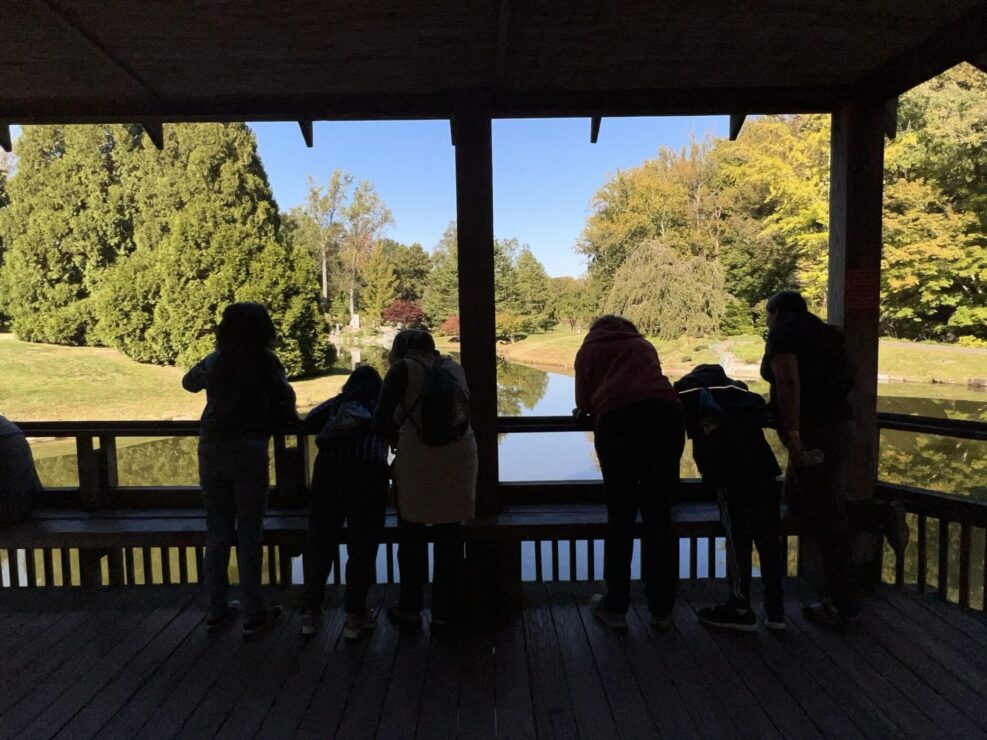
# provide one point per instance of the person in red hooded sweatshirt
(639, 436)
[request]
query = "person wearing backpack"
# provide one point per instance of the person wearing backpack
(248, 399)
(424, 412)
(724, 420)
(806, 363)
(639, 437)
(349, 484)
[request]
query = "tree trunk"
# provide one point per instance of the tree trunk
(325, 281)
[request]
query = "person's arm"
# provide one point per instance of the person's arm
(785, 368)
(584, 395)
(195, 379)
(284, 393)
(391, 396)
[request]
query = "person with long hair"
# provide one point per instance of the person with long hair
(639, 436)
(349, 484)
(248, 399)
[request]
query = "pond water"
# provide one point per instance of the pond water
(938, 463)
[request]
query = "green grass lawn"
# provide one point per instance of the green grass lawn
(44, 382)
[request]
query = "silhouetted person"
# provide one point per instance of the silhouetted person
(805, 362)
(424, 410)
(349, 484)
(639, 440)
(724, 421)
(19, 482)
(247, 400)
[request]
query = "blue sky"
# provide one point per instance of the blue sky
(545, 171)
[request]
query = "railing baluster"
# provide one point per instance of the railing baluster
(965, 565)
(32, 568)
(538, 567)
(389, 549)
(943, 559)
(49, 567)
(711, 556)
(590, 560)
(693, 558)
(337, 559)
(923, 555)
(166, 565)
(572, 559)
(200, 555)
(128, 566)
(183, 565)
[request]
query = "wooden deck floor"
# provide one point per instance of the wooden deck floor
(138, 662)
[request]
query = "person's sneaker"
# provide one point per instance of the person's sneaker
(728, 617)
(310, 622)
(357, 623)
(402, 617)
(263, 620)
(215, 621)
(826, 615)
(896, 528)
(775, 620)
(661, 622)
(613, 620)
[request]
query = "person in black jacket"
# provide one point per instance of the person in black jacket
(349, 484)
(724, 420)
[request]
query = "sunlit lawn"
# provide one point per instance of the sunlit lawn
(47, 382)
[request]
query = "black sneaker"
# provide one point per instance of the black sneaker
(728, 617)
(403, 617)
(263, 620)
(215, 621)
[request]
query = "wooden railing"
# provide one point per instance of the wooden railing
(571, 552)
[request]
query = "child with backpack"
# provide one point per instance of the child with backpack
(349, 484)
(424, 412)
(724, 420)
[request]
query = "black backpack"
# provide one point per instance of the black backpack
(445, 406)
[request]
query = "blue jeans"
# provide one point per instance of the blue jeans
(235, 482)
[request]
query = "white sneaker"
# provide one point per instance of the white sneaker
(357, 623)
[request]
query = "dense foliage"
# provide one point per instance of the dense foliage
(758, 209)
(112, 242)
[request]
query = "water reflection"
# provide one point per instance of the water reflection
(939, 463)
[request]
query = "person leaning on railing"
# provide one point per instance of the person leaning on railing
(248, 399)
(18, 477)
(805, 362)
(639, 437)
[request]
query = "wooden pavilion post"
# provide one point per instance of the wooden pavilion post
(491, 567)
(856, 202)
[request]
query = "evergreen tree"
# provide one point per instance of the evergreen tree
(68, 221)
(208, 233)
(411, 267)
(441, 298)
(379, 284)
(533, 289)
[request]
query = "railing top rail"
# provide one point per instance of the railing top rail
(963, 429)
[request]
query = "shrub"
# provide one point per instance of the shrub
(450, 327)
(406, 314)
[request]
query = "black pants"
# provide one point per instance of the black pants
(413, 562)
(751, 515)
(639, 447)
(354, 492)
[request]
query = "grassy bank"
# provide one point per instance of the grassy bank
(921, 363)
(44, 381)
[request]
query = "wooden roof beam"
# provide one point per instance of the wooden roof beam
(452, 131)
(6, 143)
(307, 133)
(891, 118)
(594, 128)
(945, 48)
(736, 123)
(155, 132)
